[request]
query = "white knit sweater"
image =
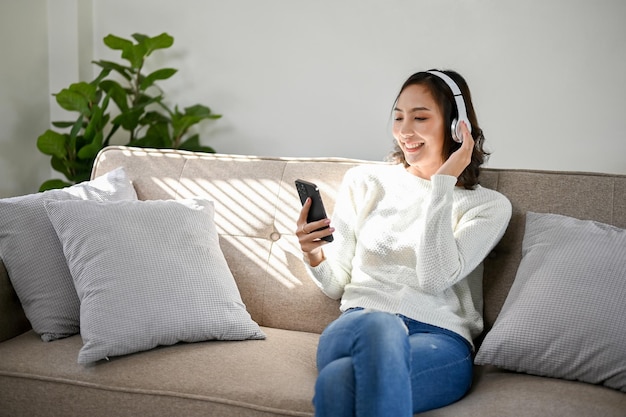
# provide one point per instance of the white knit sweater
(411, 246)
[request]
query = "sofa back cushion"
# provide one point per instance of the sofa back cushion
(257, 206)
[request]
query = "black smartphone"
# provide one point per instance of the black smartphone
(317, 211)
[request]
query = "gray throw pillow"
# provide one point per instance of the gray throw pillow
(33, 257)
(565, 315)
(148, 273)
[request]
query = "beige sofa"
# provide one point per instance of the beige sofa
(256, 208)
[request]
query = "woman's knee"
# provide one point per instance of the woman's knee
(334, 389)
(383, 332)
(381, 326)
(376, 332)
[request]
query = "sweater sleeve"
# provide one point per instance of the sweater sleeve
(446, 254)
(334, 273)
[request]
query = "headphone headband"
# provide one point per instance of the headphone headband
(457, 135)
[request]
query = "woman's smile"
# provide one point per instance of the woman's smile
(413, 147)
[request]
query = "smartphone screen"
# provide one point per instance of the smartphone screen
(317, 211)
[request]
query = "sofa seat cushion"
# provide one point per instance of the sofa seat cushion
(500, 393)
(231, 378)
(244, 378)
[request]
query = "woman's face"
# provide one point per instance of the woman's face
(418, 128)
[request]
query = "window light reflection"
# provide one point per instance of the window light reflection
(246, 217)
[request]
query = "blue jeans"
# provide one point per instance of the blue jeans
(380, 364)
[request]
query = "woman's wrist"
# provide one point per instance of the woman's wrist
(314, 258)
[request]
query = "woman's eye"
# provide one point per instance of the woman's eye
(421, 119)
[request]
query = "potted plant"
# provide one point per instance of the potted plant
(141, 111)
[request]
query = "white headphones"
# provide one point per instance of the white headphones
(457, 134)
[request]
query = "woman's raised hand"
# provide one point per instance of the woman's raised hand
(461, 158)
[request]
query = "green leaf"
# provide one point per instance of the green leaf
(94, 132)
(78, 97)
(82, 174)
(103, 74)
(123, 70)
(144, 100)
(81, 168)
(78, 125)
(202, 112)
(90, 130)
(72, 101)
(53, 184)
(61, 165)
(162, 41)
(52, 143)
(157, 136)
(181, 122)
(129, 120)
(115, 42)
(95, 124)
(161, 74)
(198, 110)
(140, 37)
(87, 90)
(153, 117)
(62, 125)
(193, 144)
(135, 54)
(117, 93)
(91, 150)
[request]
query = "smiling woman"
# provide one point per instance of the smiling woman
(426, 116)
(406, 261)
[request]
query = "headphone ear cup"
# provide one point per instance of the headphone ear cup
(457, 134)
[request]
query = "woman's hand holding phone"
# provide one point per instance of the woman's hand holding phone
(310, 236)
(313, 226)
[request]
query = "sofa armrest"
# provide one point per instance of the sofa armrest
(12, 319)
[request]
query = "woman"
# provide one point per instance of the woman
(406, 262)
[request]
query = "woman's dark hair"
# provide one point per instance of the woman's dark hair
(445, 99)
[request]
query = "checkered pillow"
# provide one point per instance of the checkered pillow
(34, 259)
(148, 273)
(565, 315)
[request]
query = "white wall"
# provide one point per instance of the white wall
(24, 110)
(318, 78)
(302, 78)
